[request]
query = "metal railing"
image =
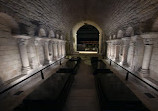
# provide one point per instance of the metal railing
(128, 72)
(41, 72)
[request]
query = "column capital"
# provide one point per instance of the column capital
(22, 41)
(46, 39)
(117, 41)
(36, 42)
(148, 37)
(134, 39)
(108, 41)
(126, 40)
(22, 37)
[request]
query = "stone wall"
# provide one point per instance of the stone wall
(110, 15)
(25, 54)
(138, 53)
(154, 61)
(10, 63)
(135, 53)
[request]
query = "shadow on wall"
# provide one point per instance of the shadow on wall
(1, 82)
(10, 62)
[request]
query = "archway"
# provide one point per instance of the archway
(88, 39)
(78, 26)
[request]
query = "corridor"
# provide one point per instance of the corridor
(83, 95)
(62, 44)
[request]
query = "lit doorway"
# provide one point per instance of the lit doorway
(87, 39)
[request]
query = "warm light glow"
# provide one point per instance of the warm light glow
(80, 24)
(87, 52)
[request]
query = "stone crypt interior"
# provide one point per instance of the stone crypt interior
(78, 55)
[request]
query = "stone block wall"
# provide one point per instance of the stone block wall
(154, 61)
(110, 15)
(25, 54)
(135, 54)
(10, 62)
(139, 54)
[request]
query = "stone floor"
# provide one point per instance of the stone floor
(83, 95)
(137, 87)
(10, 100)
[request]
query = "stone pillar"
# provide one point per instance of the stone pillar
(148, 46)
(126, 41)
(63, 49)
(50, 51)
(112, 49)
(59, 49)
(132, 50)
(55, 52)
(108, 48)
(24, 56)
(117, 49)
(36, 42)
(32, 56)
(46, 51)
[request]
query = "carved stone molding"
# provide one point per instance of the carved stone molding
(126, 40)
(149, 37)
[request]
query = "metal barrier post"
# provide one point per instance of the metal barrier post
(127, 74)
(60, 62)
(42, 75)
(110, 62)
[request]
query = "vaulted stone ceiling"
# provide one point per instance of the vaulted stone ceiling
(110, 15)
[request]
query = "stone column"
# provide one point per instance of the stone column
(148, 46)
(24, 56)
(32, 56)
(126, 41)
(55, 52)
(59, 49)
(46, 51)
(50, 51)
(108, 48)
(36, 42)
(112, 49)
(132, 50)
(63, 49)
(117, 48)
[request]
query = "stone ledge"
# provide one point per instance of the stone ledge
(19, 78)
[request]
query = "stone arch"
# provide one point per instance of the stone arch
(42, 32)
(154, 26)
(51, 34)
(119, 34)
(8, 23)
(57, 34)
(129, 32)
(80, 24)
(110, 37)
(114, 37)
(61, 37)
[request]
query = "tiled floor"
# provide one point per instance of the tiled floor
(83, 95)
